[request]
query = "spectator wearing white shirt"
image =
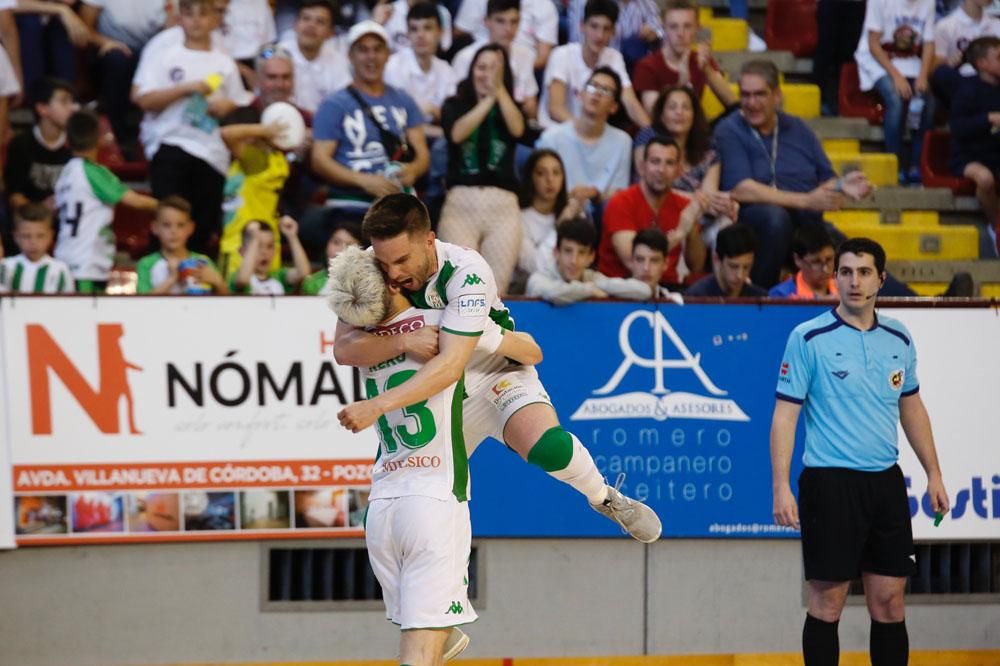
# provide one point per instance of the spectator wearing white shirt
(320, 67)
(124, 27)
(430, 81)
(393, 17)
(570, 66)
(895, 55)
(11, 41)
(545, 203)
(538, 30)
(952, 36)
(184, 91)
(9, 88)
(502, 20)
(566, 276)
(246, 27)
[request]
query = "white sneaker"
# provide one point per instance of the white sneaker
(635, 518)
(756, 45)
(457, 641)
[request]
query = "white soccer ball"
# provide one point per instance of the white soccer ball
(294, 132)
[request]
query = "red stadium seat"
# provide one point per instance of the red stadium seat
(934, 165)
(131, 229)
(110, 155)
(851, 102)
(791, 26)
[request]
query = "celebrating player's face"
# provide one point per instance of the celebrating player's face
(405, 259)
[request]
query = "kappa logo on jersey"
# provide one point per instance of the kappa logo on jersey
(473, 305)
(896, 379)
(101, 405)
(407, 325)
(471, 280)
(455, 608)
(659, 403)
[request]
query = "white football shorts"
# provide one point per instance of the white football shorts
(496, 396)
(419, 550)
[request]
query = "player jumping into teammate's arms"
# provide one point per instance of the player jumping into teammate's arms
(506, 401)
(417, 525)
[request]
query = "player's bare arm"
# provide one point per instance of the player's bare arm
(521, 347)
(917, 426)
(440, 372)
(786, 416)
(357, 347)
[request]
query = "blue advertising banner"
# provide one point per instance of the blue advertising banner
(678, 399)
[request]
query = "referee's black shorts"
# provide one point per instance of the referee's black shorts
(854, 522)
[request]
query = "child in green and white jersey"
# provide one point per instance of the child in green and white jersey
(86, 194)
(34, 271)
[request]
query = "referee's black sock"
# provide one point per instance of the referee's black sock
(889, 644)
(820, 642)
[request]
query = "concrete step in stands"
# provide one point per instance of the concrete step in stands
(932, 277)
(882, 169)
(918, 236)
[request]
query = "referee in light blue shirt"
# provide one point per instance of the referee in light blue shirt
(854, 375)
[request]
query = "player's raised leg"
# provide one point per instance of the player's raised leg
(533, 431)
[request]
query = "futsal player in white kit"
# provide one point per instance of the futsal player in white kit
(417, 525)
(507, 401)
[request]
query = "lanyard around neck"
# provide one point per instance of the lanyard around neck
(773, 155)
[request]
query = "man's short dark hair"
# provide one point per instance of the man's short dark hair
(395, 214)
(660, 140)
(424, 9)
(862, 246)
(579, 230)
(979, 48)
(44, 89)
(678, 5)
(811, 238)
(735, 241)
(607, 71)
(765, 69)
(605, 8)
(175, 201)
(498, 6)
(82, 131)
(652, 238)
(329, 6)
(34, 213)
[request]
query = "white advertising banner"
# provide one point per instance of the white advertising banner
(163, 419)
(958, 364)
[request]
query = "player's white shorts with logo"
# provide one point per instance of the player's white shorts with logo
(419, 550)
(496, 396)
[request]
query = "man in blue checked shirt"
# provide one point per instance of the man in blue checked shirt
(854, 375)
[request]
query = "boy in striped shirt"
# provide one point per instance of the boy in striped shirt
(34, 271)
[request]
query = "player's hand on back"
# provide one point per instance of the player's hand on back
(422, 344)
(786, 511)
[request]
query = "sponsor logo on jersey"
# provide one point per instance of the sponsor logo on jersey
(407, 325)
(412, 462)
(659, 402)
(176, 74)
(473, 305)
(507, 393)
(896, 379)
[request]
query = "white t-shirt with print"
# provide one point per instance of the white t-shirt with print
(186, 123)
(539, 22)
(433, 87)
(538, 239)
(905, 25)
(315, 80)
(954, 33)
(566, 64)
(249, 24)
(399, 37)
(522, 68)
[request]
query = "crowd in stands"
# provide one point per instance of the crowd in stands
(581, 165)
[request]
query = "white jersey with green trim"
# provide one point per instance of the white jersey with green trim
(20, 275)
(465, 290)
(86, 194)
(421, 447)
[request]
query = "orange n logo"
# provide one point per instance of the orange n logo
(44, 354)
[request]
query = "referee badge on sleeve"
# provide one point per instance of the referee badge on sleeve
(896, 379)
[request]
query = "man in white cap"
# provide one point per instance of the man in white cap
(368, 138)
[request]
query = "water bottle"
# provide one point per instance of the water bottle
(915, 111)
